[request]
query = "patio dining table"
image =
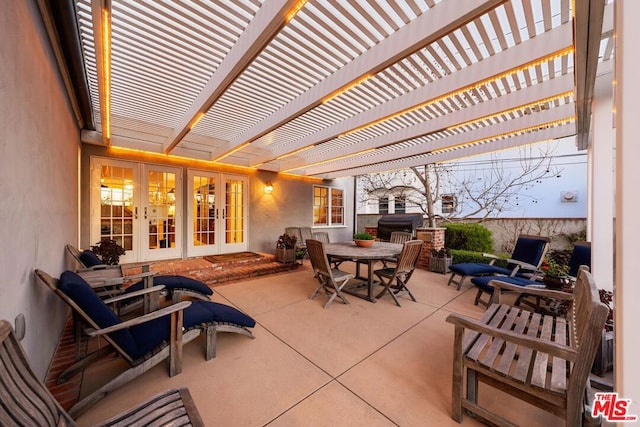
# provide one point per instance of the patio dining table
(350, 252)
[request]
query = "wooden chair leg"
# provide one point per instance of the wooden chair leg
(456, 393)
(211, 332)
(175, 345)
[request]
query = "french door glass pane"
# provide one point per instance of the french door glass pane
(116, 205)
(204, 203)
(161, 209)
(234, 211)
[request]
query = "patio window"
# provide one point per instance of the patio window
(383, 205)
(448, 203)
(328, 206)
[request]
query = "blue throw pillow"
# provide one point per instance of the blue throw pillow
(90, 259)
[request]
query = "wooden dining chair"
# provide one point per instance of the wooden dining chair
(401, 273)
(331, 280)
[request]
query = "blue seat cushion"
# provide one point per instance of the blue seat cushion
(79, 291)
(483, 282)
(472, 269)
(175, 282)
(150, 335)
(90, 259)
(227, 314)
(581, 255)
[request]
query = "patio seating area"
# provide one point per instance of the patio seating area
(358, 364)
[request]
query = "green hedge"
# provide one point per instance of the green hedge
(471, 256)
(468, 237)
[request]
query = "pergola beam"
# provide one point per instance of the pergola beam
(269, 20)
(381, 161)
(427, 28)
(538, 47)
(587, 27)
(516, 141)
(511, 101)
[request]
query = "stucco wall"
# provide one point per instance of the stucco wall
(38, 179)
(291, 205)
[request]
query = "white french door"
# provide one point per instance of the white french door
(138, 206)
(161, 198)
(217, 213)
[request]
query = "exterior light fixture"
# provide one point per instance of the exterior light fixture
(268, 187)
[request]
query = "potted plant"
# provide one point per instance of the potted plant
(286, 249)
(556, 275)
(440, 260)
(363, 240)
(108, 250)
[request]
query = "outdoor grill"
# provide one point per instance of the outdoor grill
(398, 222)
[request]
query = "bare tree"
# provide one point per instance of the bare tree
(479, 191)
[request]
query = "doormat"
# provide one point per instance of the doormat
(238, 256)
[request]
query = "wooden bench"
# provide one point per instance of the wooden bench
(541, 359)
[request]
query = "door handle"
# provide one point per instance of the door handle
(135, 212)
(145, 212)
(217, 213)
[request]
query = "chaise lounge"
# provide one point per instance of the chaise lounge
(146, 340)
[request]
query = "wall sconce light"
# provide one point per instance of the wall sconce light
(268, 187)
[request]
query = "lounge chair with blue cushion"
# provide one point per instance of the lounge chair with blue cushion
(110, 277)
(524, 262)
(580, 258)
(146, 340)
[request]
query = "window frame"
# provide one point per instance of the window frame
(329, 208)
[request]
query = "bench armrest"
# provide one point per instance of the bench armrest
(499, 286)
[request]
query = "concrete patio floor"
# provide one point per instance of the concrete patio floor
(369, 364)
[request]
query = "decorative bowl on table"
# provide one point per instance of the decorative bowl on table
(363, 243)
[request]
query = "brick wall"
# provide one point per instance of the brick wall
(433, 238)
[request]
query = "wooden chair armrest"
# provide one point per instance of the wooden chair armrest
(112, 281)
(498, 286)
(493, 257)
(551, 348)
(142, 319)
(521, 265)
(134, 294)
(98, 267)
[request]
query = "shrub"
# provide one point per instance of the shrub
(468, 237)
(363, 236)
